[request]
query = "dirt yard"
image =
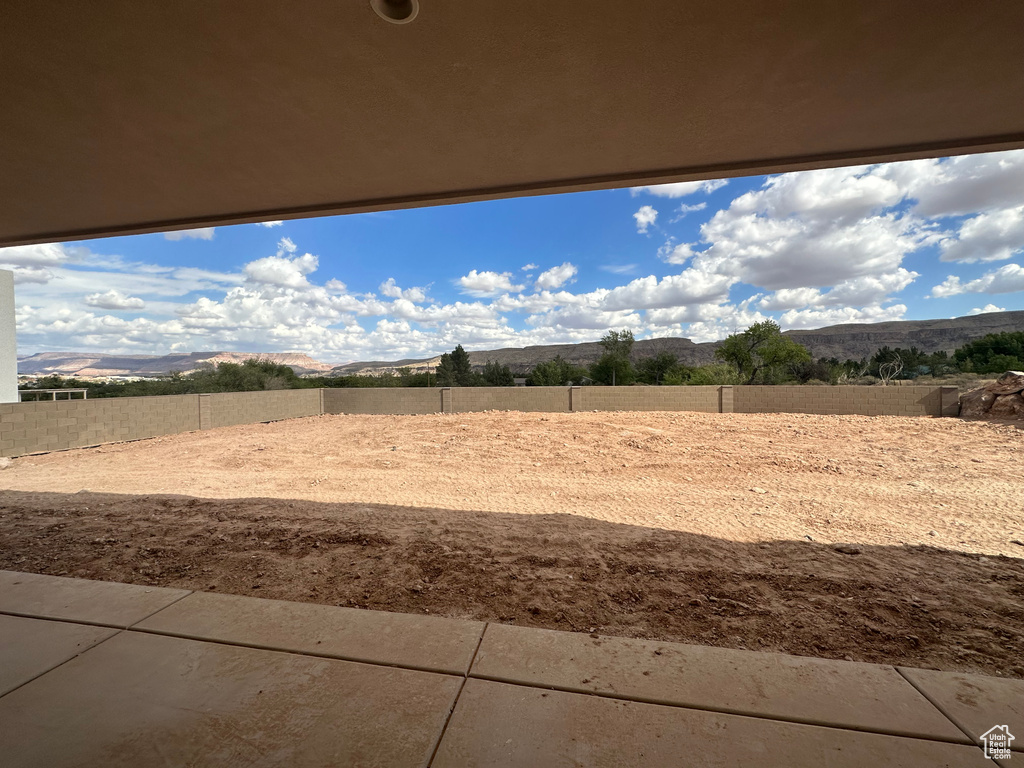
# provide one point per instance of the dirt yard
(877, 539)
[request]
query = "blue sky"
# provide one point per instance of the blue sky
(915, 240)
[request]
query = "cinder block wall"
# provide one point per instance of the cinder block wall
(703, 399)
(535, 399)
(383, 400)
(229, 408)
(866, 401)
(52, 426)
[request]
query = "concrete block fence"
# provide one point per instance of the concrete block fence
(53, 426)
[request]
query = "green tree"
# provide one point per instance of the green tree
(555, 373)
(614, 366)
(762, 354)
(249, 376)
(994, 353)
(653, 370)
(716, 373)
(497, 375)
(454, 369)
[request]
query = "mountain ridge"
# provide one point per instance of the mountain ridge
(87, 365)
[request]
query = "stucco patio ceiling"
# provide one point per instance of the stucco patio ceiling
(127, 116)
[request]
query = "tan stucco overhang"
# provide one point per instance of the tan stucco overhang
(126, 116)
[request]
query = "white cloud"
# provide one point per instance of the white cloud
(959, 186)
(813, 230)
(42, 255)
(816, 318)
(986, 308)
(692, 286)
(204, 233)
(790, 298)
(586, 318)
(556, 277)
(38, 275)
(645, 217)
(528, 267)
(870, 289)
(390, 289)
(673, 253)
(1009, 278)
(682, 188)
(685, 209)
(487, 283)
(994, 236)
(269, 224)
(114, 299)
(282, 271)
(33, 263)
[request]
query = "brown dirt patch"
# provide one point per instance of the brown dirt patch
(714, 529)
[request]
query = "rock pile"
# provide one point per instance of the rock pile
(1001, 400)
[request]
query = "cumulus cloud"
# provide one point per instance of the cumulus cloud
(1009, 278)
(816, 318)
(26, 275)
(32, 263)
(692, 286)
(114, 299)
(556, 277)
(269, 224)
(528, 267)
(681, 189)
(986, 308)
(203, 233)
(676, 253)
(390, 289)
(813, 230)
(282, 271)
(994, 236)
(645, 217)
(790, 298)
(42, 255)
(487, 283)
(960, 186)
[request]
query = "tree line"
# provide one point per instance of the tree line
(758, 355)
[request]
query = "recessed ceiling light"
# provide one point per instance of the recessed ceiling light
(396, 11)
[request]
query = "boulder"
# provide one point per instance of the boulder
(1003, 399)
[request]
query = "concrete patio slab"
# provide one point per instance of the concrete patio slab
(497, 725)
(406, 640)
(865, 697)
(31, 647)
(975, 702)
(81, 600)
(140, 699)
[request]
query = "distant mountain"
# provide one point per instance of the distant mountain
(855, 340)
(89, 365)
